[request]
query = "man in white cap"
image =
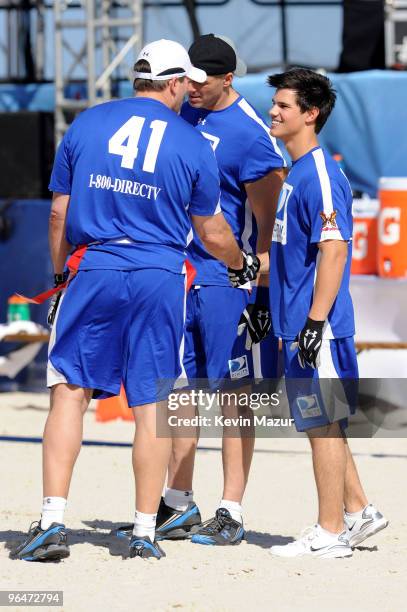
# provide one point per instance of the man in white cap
(128, 179)
(251, 171)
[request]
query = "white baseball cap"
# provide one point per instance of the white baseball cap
(168, 59)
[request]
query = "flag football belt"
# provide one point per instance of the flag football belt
(73, 266)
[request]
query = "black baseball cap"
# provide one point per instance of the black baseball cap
(216, 55)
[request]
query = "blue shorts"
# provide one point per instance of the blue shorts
(116, 326)
(327, 394)
(212, 348)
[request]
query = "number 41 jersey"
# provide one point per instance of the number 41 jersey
(134, 171)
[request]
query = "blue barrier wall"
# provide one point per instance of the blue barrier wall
(368, 126)
(25, 267)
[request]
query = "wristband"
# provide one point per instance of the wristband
(59, 279)
(314, 324)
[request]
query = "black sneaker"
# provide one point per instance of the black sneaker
(43, 544)
(171, 524)
(220, 530)
(145, 548)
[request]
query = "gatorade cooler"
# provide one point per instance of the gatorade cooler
(18, 309)
(392, 242)
(364, 249)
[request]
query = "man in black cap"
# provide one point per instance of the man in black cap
(251, 171)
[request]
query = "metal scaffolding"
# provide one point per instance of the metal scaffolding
(396, 32)
(22, 40)
(107, 36)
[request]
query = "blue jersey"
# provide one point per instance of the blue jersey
(315, 205)
(245, 152)
(134, 171)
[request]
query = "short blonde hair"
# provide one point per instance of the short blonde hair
(141, 85)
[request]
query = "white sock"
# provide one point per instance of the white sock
(144, 525)
(178, 500)
(355, 515)
(331, 533)
(234, 508)
(52, 511)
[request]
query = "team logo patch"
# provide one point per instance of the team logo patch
(329, 221)
(280, 224)
(238, 367)
(309, 406)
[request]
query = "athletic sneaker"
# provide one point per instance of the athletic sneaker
(219, 530)
(371, 521)
(171, 524)
(145, 548)
(43, 544)
(316, 542)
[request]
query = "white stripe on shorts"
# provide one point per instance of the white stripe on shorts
(327, 368)
(53, 376)
(256, 355)
(333, 395)
(182, 380)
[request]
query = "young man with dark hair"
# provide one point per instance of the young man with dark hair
(128, 179)
(312, 310)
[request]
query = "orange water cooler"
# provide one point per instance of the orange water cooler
(392, 228)
(364, 248)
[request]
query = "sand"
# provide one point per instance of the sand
(280, 501)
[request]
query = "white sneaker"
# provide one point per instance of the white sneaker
(316, 542)
(370, 522)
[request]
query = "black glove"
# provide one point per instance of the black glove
(309, 344)
(251, 265)
(256, 318)
(59, 279)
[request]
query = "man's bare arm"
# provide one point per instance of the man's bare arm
(333, 256)
(263, 198)
(218, 239)
(264, 259)
(58, 244)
